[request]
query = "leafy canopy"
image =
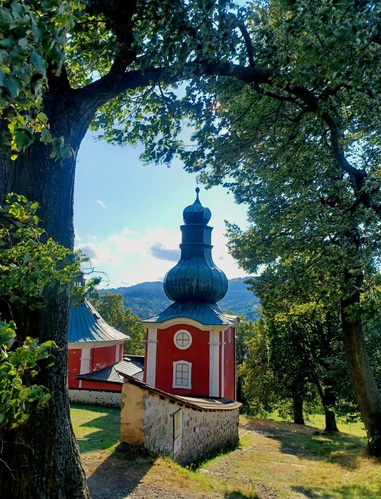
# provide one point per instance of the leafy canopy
(106, 47)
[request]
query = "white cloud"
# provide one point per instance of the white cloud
(101, 204)
(129, 257)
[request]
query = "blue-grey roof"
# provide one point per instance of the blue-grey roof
(204, 313)
(196, 278)
(86, 325)
(130, 366)
(106, 375)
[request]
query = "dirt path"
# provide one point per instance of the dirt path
(139, 477)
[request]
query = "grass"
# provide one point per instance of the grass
(277, 459)
(96, 428)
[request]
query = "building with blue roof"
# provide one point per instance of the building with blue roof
(190, 347)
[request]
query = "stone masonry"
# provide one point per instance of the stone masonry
(147, 420)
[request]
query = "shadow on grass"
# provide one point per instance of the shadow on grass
(308, 443)
(113, 470)
(352, 492)
(118, 475)
(238, 495)
(211, 456)
(96, 428)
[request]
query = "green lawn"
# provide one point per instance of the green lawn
(274, 459)
(96, 428)
(317, 421)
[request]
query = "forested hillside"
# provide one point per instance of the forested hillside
(148, 298)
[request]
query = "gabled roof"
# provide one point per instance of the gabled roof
(86, 326)
(129, 366)
(106, 375)
(204, 313)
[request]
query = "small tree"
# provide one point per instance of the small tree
(112, 309)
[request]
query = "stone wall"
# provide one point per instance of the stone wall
(111, 399)
(147, 419)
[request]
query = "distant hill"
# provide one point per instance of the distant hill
(148, 298)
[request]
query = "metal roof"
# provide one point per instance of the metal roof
(86, 325)
(204, 313)
(130, 366)
(105, 375)
(196, 278)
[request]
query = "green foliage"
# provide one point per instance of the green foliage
(112, 309)
(30, 264)
(32, 33)
(300, 352)
(18, 367)
(85, 41)
(29, 261)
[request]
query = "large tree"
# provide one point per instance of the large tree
(67, 64)
(303, 327)
(64, 64)
(296, 136)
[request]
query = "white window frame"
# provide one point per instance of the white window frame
(186, 368)
(179, 338)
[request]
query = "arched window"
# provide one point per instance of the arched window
(182, 374)
(182, 339)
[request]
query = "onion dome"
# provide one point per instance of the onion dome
(196, 278)
(196, 213)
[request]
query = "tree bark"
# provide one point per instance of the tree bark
(367, 392)
(297, 401)
(41, 458)
(328, 400)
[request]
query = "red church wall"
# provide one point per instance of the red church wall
(99, 358)
(197, 354)
(99, 386)
(102, 357)
(74, 365)
(229, 382)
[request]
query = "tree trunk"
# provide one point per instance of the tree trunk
(297, 401)
(328, 400)
(367, 393)
(330, 420)
(41, 458)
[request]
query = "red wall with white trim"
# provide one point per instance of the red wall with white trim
(197, 354)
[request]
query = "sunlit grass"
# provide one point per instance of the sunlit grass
(274, 459)
(96, 428)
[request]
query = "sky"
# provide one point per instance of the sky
(127, 215)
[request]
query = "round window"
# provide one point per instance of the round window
(182, 339)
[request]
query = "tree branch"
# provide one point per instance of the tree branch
(249, 46)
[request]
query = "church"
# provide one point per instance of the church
(190, 345)
(185, 405)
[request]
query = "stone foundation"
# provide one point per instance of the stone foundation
(152, 419)
(112, 399)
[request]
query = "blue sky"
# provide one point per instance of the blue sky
(127, 216)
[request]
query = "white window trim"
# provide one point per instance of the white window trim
(177, 334)
(151, 357)
(85, 361)
(189, 365)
